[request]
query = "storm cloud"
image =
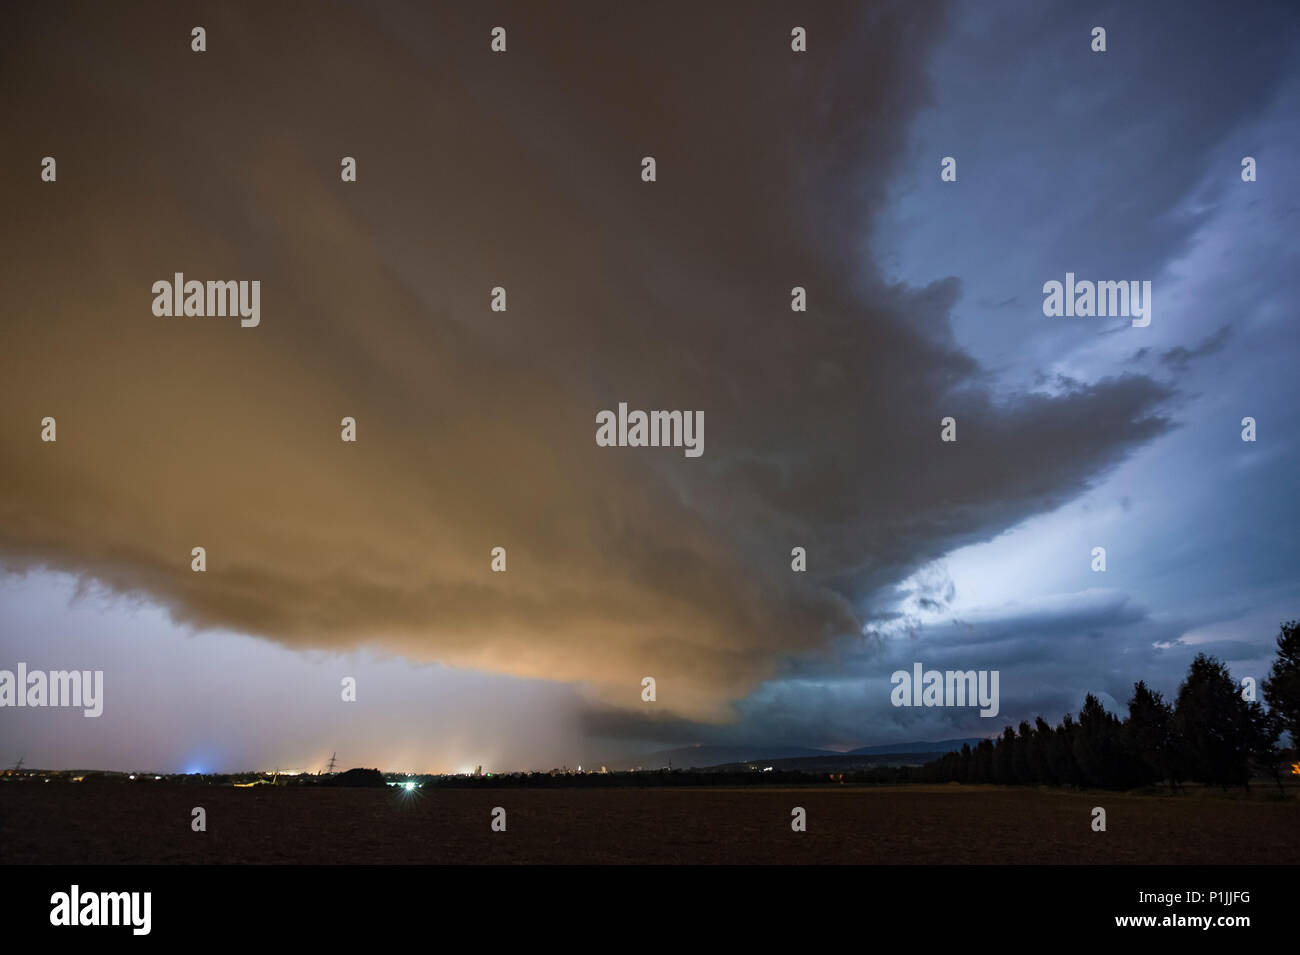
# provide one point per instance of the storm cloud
(476, 428)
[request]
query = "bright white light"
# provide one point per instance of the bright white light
(408, 786)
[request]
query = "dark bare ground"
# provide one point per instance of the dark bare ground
(83, 824)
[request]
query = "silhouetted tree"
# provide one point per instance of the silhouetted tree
(1211, 735)
(984, 761)
(1282, 685)
(1039, 744)
(1264, 755)
(1004, 763)
(1215, 724)
(1098, 748)
(1149, 736)
(1061, 754)
(1020, 762)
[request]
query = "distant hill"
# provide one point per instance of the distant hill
(698, 757)
(701, 757)
(356, 778)
(939, 746)
(837, 763)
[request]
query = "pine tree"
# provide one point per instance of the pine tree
(1020, 757)
(1097, 747)
(1149, 737)
(1215, 724)
(1004, 757)
(1265, 756)
(1282, 685)
(1039, 749)
(1061, 754)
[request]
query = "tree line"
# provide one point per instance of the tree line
(1214, 732)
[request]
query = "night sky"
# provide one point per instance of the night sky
(476, 427)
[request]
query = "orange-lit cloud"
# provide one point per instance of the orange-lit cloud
(476, 428)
